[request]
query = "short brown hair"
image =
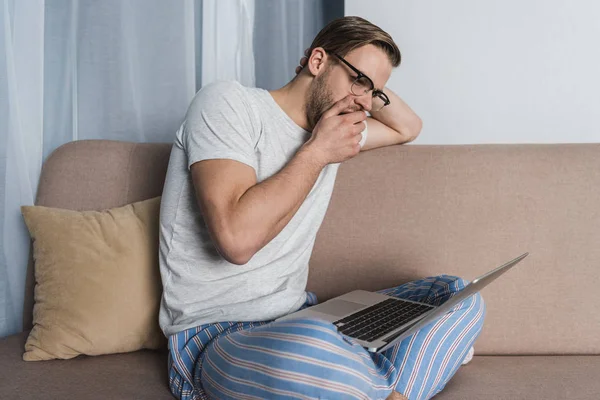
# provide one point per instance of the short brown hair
(345, 34)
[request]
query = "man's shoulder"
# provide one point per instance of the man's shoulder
(222, 89)
(223, 85)
(221, 105)
(221, 95)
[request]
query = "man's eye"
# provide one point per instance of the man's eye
(363, 82)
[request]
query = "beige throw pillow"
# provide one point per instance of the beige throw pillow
(98, 284)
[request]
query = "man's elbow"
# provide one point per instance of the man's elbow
(418, 125)
(234, 251)
(236, 258)
(414, 130)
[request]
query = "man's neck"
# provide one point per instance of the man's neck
(292, 99)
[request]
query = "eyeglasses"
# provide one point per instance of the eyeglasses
(363, 84)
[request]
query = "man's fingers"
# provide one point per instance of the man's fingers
(356, 116)
(359, 127)
(303, 62)
(338, 107)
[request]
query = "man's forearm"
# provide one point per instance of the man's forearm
(399, 117)
(267, 207)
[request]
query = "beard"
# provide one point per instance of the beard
(319, 99)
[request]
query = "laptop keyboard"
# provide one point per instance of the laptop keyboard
(379, 319)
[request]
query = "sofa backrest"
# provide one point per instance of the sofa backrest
(402, 213)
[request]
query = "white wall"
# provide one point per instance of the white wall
(480, 71)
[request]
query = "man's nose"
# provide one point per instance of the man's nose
(365, 101)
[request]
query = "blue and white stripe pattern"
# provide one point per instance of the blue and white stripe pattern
(307, 358)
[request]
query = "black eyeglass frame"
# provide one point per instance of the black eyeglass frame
(376, 93)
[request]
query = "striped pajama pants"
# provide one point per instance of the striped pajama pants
(307, 358)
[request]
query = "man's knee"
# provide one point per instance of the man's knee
(480, 306)
(456, 282)
(475, 303)
(475, 307)
(270, 340)
(266, 353)
(229, 365)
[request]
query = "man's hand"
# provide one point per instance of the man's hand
(303, 61)
(336, 136)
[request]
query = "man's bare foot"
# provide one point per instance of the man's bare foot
(396, 396)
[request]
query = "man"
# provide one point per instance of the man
(249, 180)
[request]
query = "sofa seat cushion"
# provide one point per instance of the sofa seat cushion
(136, 375)
(143, 375)
(526, 377)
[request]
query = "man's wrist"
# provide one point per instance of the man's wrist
(312, 154)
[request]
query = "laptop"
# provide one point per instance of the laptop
(377, 321)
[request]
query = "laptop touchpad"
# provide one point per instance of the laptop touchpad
(339, 307)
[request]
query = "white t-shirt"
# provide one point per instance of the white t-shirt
(228, 120)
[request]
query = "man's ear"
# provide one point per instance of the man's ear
(317, 61)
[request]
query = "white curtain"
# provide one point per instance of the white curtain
(70, 70)
(120, 70)
(21, 127)
(227, 41)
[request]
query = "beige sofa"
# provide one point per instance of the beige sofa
(397, 214)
